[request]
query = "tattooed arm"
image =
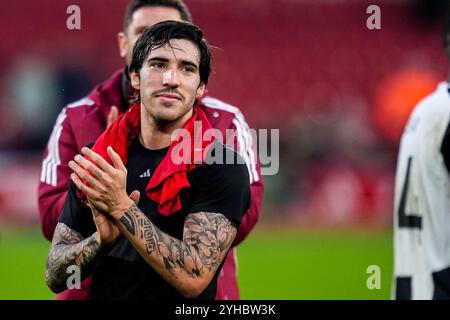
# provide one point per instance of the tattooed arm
(188, 265)
(69, 248)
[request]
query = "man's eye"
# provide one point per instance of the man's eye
(157, 65)
(187, 69)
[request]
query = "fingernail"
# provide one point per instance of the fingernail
(77, 157)
(71, 164)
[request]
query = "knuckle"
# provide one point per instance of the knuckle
(94, 198)
(114, 175)
(108, 182)
(87, 165)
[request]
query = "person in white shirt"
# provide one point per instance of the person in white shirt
(422, 199)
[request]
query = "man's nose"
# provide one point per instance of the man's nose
(170, 78)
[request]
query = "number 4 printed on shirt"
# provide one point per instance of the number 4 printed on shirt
(409, 220)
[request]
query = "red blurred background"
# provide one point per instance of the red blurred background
(339, 92)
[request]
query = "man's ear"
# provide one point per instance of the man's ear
(122, 41)
(200, 90)
(135, 81)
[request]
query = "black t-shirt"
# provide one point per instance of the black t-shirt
(123, 273)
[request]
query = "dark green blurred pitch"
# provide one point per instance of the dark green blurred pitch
(273, 264)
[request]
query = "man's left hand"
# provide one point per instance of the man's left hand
(106, 184)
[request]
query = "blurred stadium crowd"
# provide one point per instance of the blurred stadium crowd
(339, 92)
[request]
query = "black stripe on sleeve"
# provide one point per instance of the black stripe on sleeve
(445, 148)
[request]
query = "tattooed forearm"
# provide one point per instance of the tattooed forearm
(129, 222)
(207, 238)
(138, 225)
(212, 234)
(172, 251)
(69, 248)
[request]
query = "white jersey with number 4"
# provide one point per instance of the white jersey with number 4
(422, 203)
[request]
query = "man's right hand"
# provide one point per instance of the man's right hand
(107, 231)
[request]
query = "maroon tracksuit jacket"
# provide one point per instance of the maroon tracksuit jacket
(82, 122)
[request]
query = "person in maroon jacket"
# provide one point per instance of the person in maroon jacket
(81, 123)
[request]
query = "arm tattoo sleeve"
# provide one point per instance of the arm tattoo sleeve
(69, 248)
(207, 238)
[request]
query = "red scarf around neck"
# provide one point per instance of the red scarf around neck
(170, 176)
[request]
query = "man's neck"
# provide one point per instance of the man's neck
(157, 135)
